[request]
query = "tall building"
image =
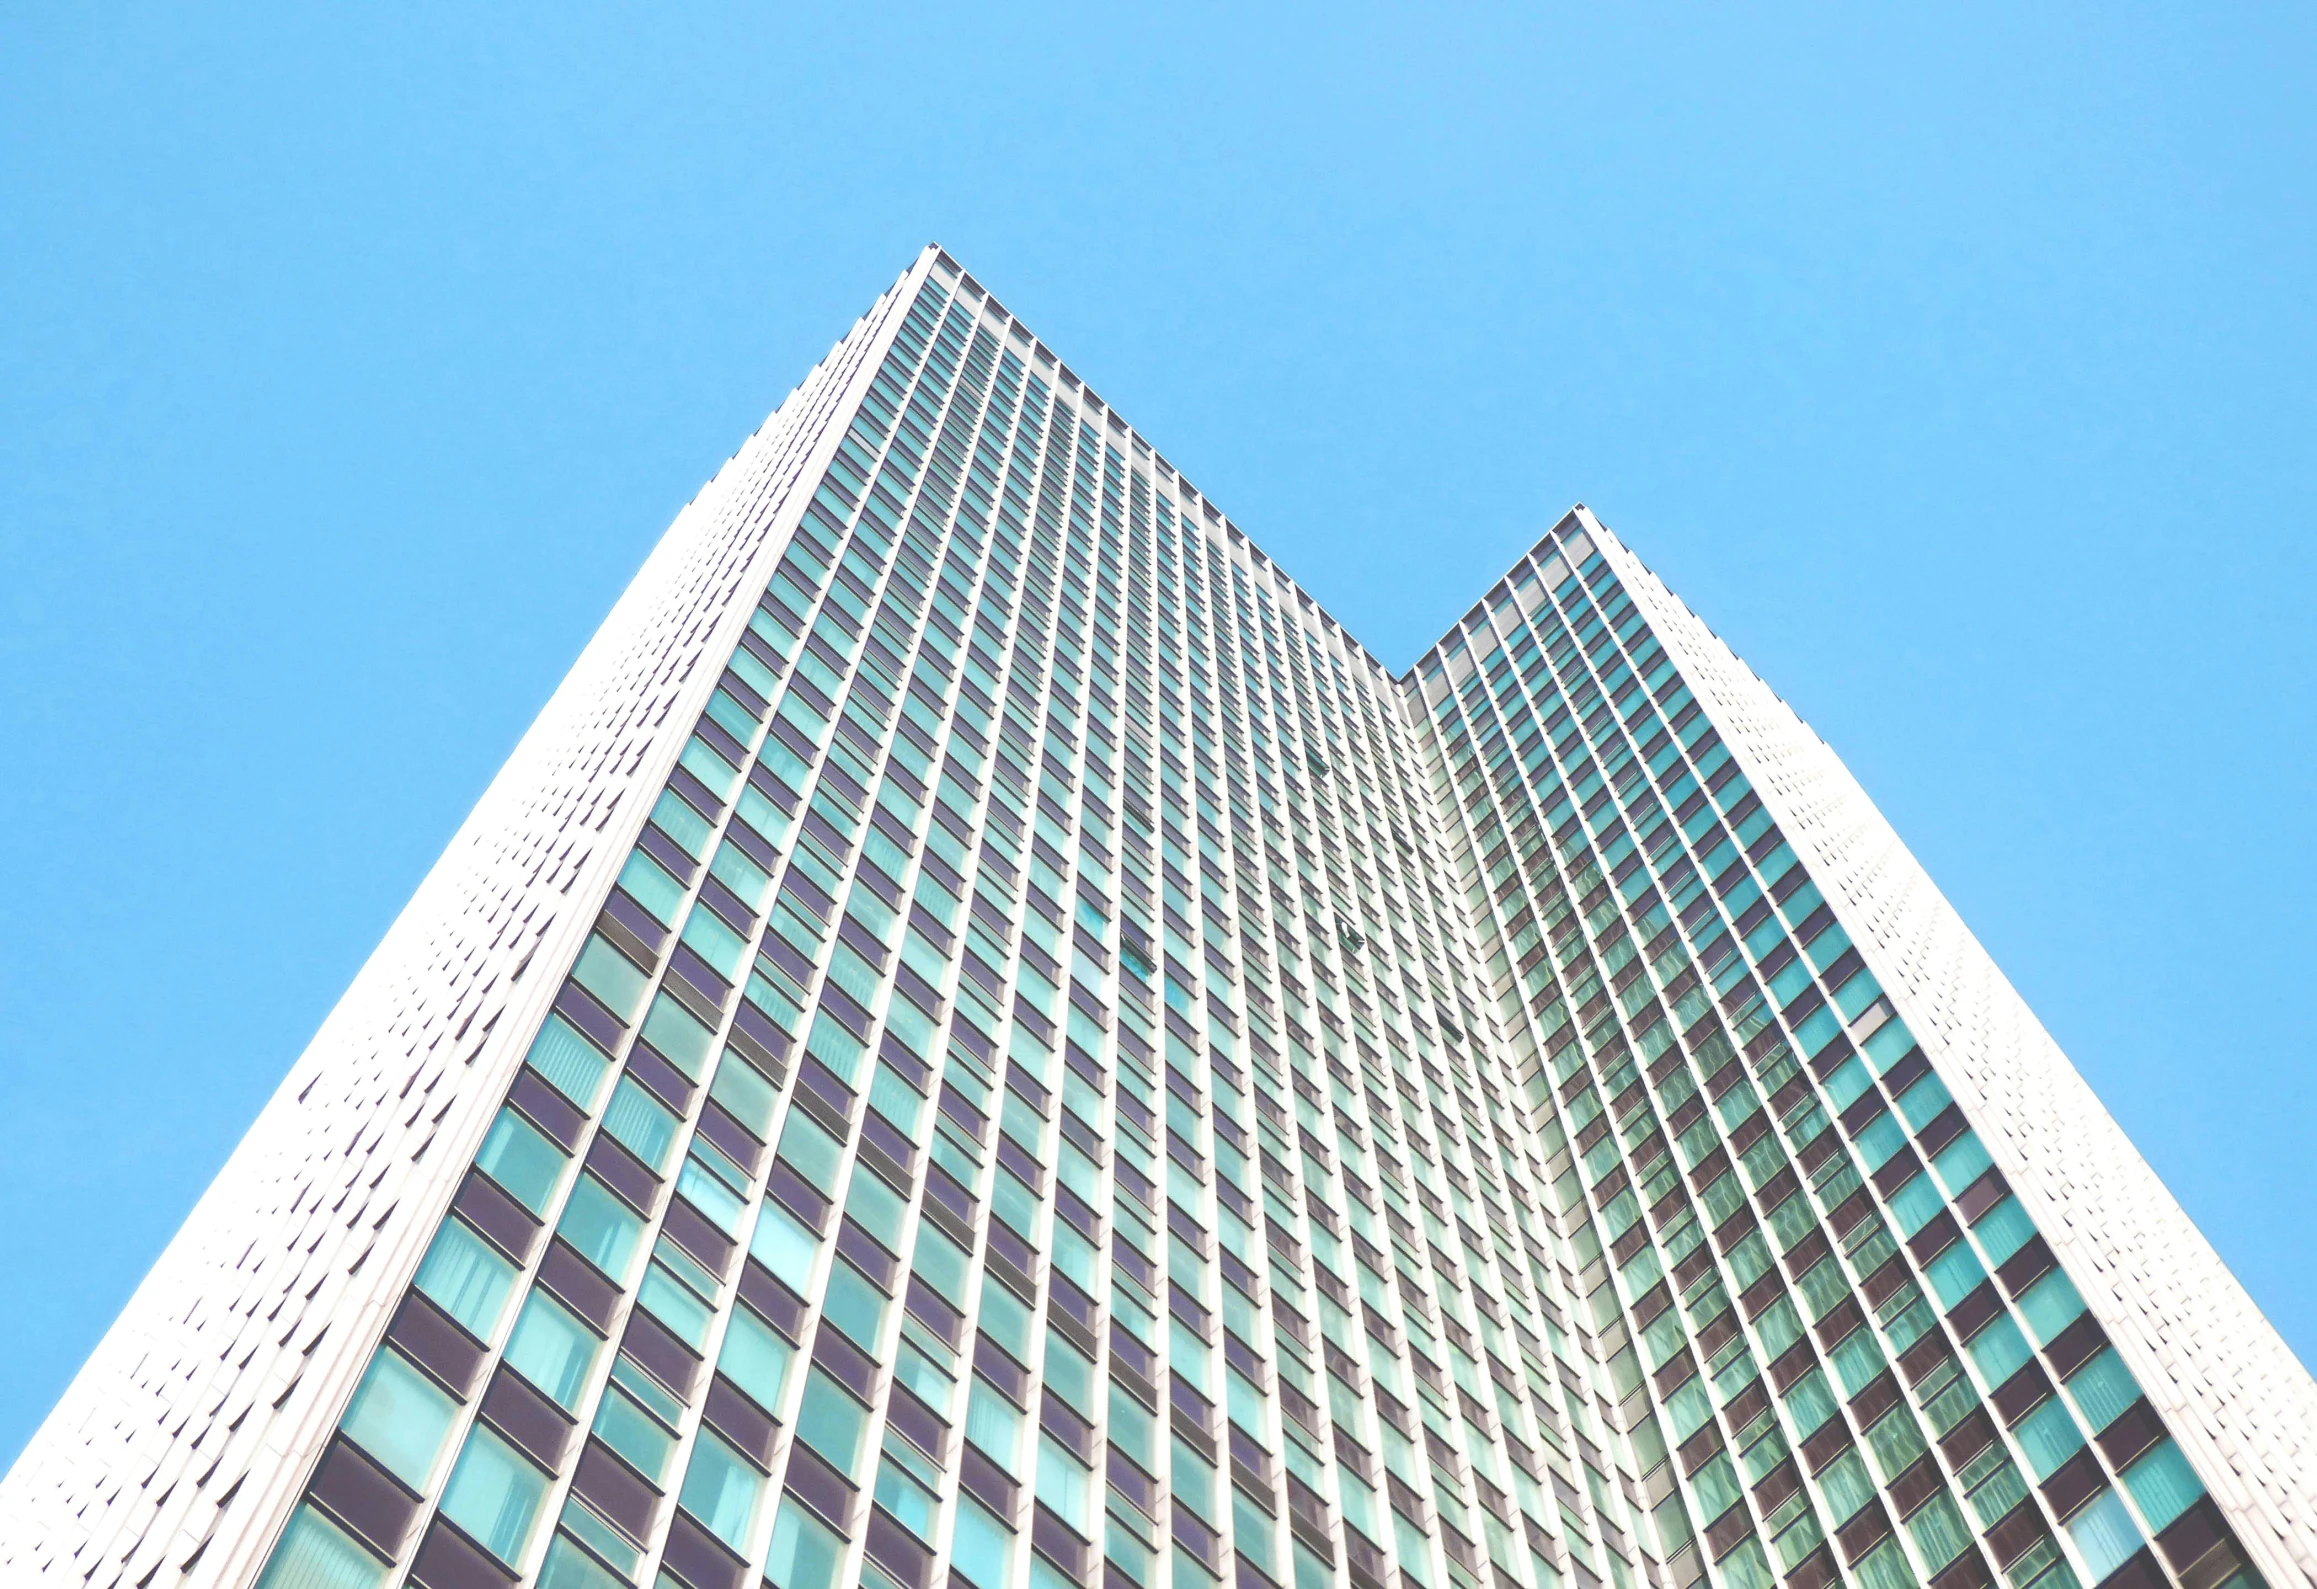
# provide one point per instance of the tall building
(982, 1039)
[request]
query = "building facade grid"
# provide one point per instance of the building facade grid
(982, 1037)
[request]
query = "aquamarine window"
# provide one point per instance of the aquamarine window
(1915, 1204)
(1924, 1102)
(786, 1247)
(494, 1494)
(1889, 1045)
(2163, 1485)
(907, 1486)
(708, 1193)
(805, 1555)
(705, 764)
(611, 976)
(1962, 1162)
(639, 1123)
(831, 1422)
(572, 1065)
(756, 1357)
(1955, 1273)
(675, 1304)
(814, 1154)
(651, 886)
(569, 1567)
(467, 1278)
(604, 1230)
(2103, 1388)
(1857, 1360)
(400, 1417)
(746, 1092)
(854, 1306)
(622, 1424)
(314, 1553)
(1999, 1350)
(722, 1490)
(2004, 1229)
(553, 1350)
(715, 942)
(1880, 1140)
(2049, 1436)
(680, 1037)
(1856, 994)
(1847, 1083)
(518, 1156)
(680, 822)
(738, 872)
(981, 1548)
(2051, 1305)
(1063, 1485)
(2105, 1533)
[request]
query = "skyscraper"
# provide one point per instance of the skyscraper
(981, 1036)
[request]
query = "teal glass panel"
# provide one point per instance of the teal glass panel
(400, 1416)
(494, 1494)
(468, 1278)
(519, 1157)
(552, 1349)
(314, 1553)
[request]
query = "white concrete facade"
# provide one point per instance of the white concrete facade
(177, 1452)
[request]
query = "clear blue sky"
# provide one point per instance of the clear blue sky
(1955, 364)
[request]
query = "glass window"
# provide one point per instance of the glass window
(569, 1567)
(2049, 1437)
(715, 942)
(981, 1548)
(756, 1358)
(681, 823)
(722, 1489)
(742, 875)
(1915, 1204)
(745, 1091)
(582, 1523)
(604, 1230)
(651, 886)
(831, 1421)
(806, 1555)
(2103, 1388)
(2051, 1305)
(572, 1064)
(709, 1194)
(622, 1424)
(467, 1278)
(1998, 1350)
(400, 1416)
(2004, 1229)
(854, 1306)
(674, 1304)
(909, 1485)
(2105, 1533)
(2163, 1484)
(1063, 1484)
(1961, 1162)
(611, 976)
(521, 1159)
(784, 1246)
(494, 1494)
(638, 1123)
(671, 1029)
(813, 1152)
(552, 1350)
(315, 1554)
